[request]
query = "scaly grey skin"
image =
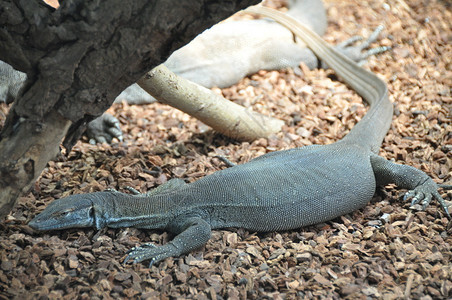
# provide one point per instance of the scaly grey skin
(281, 190)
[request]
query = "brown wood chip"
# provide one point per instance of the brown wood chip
(384, 250)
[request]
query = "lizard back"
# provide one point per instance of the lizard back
(298, 187)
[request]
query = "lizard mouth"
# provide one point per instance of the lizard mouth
(38, 224)
(51, 219)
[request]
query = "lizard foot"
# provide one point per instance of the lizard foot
(104, 129)
(357, 53)
(146, 251)
(425, 192)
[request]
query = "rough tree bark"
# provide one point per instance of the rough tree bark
(78, 58)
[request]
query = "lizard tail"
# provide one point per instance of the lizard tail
(371, 130)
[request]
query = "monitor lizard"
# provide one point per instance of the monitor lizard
(282, 190)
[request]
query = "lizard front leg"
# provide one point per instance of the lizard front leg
(194, 233)
(422, 189)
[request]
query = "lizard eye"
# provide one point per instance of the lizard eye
(63, 213)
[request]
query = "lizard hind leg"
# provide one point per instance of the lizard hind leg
(421, 188)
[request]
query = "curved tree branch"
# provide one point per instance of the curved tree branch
(219, 113)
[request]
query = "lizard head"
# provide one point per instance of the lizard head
(69, 212)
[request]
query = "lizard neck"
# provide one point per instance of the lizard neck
(141, 211)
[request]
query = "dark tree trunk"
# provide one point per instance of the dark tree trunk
(78, 59)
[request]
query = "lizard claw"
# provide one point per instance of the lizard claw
(145, 245)
(424, 193)
(348, 42)
(445, 186)
(144, 252)
(357, 53)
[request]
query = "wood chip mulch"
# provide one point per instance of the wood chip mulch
(385, 250)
